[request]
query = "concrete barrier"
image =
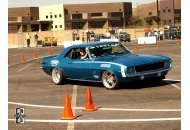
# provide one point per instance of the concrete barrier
(147, 40)
(115, 40)
(71, 43)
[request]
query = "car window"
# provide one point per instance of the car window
(108, 49)
(74, 54)
(68, 54)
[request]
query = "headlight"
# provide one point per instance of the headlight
(166, 64)
(131, 70)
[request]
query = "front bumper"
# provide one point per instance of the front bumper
(145, 76)
(148, 73)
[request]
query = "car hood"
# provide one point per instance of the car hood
(132, 59)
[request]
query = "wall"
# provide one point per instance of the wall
(166, 5)
(93, 8)
(56, 10)
(65, 35)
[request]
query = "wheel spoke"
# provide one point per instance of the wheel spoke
(109, 80)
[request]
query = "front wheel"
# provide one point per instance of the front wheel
(57, 76)
(109, 80)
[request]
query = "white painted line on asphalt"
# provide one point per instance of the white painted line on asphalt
(73, 104)
(102, 120)
(111, 109)
(29, 60)
(174, 85)
(24, 67)
(169, 81)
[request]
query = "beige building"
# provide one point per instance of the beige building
(53, 13)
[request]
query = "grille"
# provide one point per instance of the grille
(149, 67)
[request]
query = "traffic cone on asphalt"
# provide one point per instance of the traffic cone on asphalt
(9, 63)
(157, 45)
(34, 55)
(144, 43)
(136, 48)
(23, 58)
(89, 102)
(178, 42)
(68, 113)
(50, 53)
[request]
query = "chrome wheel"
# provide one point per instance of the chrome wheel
(56, 76)
(109, 80)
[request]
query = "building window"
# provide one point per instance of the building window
(55, 26)
(164, 11)
(150, 13)
(170, 20)
(60, 15)
(76, 16)
(169, 10)
(117, 14)
(96, 14)
(60, 26)
(46, 17)
(51, 16)
(55, 16)
(31, 18)
(125, 13)
(129, 13)
(51, 26)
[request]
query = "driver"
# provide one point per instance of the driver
(83, 54)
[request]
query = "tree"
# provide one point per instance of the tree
(148, 20)
(135, 21)
(157, 20)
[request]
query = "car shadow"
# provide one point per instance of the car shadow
(131, 85)
(146, 84)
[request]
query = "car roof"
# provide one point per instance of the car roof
(83, 45)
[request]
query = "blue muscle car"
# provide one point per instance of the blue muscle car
(107, 62)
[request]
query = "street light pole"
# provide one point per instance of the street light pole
(51, 28)
(136, 16)
(157, 14)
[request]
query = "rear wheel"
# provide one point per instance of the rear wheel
(57, 76)
(109, 80)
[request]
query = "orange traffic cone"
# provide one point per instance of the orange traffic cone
(136, 48)
(50, 53)
(144, 43)
(178, 42)
(9, 63)
(89, 102)
(22, 58)
(157, 45)
(34, 55)
(68, 114)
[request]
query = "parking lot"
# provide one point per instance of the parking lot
(133, 106)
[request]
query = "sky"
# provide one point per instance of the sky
(37, 3)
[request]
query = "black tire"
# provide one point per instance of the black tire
(112, 82)
(57, 76)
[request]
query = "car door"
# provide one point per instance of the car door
(77, 68)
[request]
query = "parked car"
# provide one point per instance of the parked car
(97, 37)
(123, 36)
(49, 41)
(108, 62)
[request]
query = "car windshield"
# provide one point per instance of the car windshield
(108, 49)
